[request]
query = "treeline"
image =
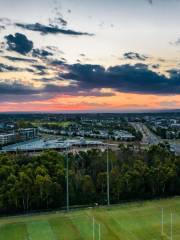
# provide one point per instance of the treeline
(29, 183)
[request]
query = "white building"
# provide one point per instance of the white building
(28, 133)
(7, 138)
(123, 136)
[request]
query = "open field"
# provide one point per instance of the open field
(58, 124)
(134, 221)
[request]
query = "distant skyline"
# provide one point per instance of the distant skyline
(89, 56)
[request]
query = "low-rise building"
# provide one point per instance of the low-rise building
(7, 138)
(123, 136)
(47, 131)
(28, 133)
(39, 145)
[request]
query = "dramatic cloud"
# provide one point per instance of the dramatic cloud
(19, 43)
(155, 66)
(134, 56)
(58, 21)
(73, 90)
(41, 69)
(17, 59)
(42, 53)
(7, 68)
(44, 29)
(62, 21)
(58, 62)
(124, 78)
(16, 91)
(15, 88)
(93, 80)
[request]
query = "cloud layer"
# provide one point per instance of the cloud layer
(136, 78)
(46, 29)
(90, 80)
(19, 43)
(135, 56)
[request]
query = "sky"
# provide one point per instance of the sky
(89, 56)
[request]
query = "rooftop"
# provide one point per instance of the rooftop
(41, 144)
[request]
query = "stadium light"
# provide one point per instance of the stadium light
(93, 229)
(171, 227)
(99, 231)
(162, 221)
(67, 181)
(107, 162)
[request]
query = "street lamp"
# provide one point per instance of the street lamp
(67, 181)
(107, 162)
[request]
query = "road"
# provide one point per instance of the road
(149, 138)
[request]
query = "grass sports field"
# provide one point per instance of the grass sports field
(135, 221)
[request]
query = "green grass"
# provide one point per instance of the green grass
(134, 221)
(58, 124)
(40, 230)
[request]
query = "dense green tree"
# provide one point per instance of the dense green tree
(31, 183)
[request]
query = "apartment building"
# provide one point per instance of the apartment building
(8, 138)
(27, 133)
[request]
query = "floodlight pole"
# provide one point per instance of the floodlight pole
(162, 221)
(93, 229)
(99, 231)
(171, 226)
(67, 181)
(108, 198)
